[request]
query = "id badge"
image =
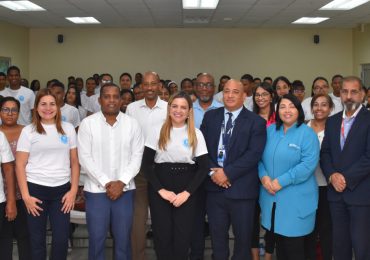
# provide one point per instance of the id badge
(221, 155)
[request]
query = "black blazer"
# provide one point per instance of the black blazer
(353, 161)
(246, 146)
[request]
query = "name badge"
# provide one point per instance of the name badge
(221, 155)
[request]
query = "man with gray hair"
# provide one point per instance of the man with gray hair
(345, 161)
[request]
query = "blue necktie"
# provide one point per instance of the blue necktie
(229, 126)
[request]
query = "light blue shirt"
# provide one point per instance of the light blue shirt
(226, 117)
(199, 111)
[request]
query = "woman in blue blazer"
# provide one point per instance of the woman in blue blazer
(289, 194)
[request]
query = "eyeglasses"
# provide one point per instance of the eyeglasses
(207, 85)
(353, 92)
(106, 81)
(298, 91)
(263, 95)
(7, 110)
(151, 84)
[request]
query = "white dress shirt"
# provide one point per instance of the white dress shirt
(109, 153)
(148, 118)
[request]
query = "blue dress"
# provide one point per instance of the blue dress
(292, 158)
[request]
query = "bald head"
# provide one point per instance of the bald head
(207, 76)
(233, 95)
(152, 74)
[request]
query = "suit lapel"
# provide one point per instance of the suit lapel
(238, 124)
(217, 122)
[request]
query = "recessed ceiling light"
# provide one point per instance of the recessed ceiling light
(83, 20)
(21, 6)
(310, 20)
(199, 4)
(343, 4)
(228, 19)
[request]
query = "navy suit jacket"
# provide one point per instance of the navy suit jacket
(353, 161)
(246, 146)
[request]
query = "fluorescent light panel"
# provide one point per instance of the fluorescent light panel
(199, 4)
(83, 20)
(310, 20)
(343, 4)
(21, 6)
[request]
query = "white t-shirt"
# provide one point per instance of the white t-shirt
(178, 149)
(49, 154)
(82, 111)
(93, 104)
(248, 103)
(5, 157)
(320, 178)
(27, 99)
(84, 100)
(70, 114)
(306, 105)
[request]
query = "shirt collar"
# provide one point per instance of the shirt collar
(214, 104)
(235, 113)
(354, 114)
(118, 118)
(143, 103)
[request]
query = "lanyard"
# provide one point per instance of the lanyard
(228, 133)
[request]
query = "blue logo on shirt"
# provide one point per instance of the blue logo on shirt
(186, 142)
(21, 98)
(64, 119)
(64, 139)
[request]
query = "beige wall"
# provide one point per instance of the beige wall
(14, 43)
(361, 48)
(179, 53)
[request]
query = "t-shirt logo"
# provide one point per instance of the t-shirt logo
(64, 119)
(21, 98)
(186, 143)
(64, 139)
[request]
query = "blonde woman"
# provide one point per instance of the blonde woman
(175, 163)
(47, 171)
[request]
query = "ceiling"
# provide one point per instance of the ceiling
(169, 14)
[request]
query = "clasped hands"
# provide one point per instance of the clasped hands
(338, 181)
(219, 177)
(272, 186)
(114, 189)
(175, 199)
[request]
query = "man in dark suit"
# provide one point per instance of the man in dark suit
(345, 161)
(235, 140)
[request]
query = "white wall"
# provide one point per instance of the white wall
(179, 53)
(14, 43)
(361, 48)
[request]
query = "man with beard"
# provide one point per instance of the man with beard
(204, 89)
(345, 161)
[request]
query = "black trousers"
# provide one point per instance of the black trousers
(15, 229)
(322, 230)
(172, 226)
(290, 248)
(287, 248)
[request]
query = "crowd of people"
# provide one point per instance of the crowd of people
(246, 154)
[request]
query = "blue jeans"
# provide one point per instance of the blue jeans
(103, 213)
(51, 198)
